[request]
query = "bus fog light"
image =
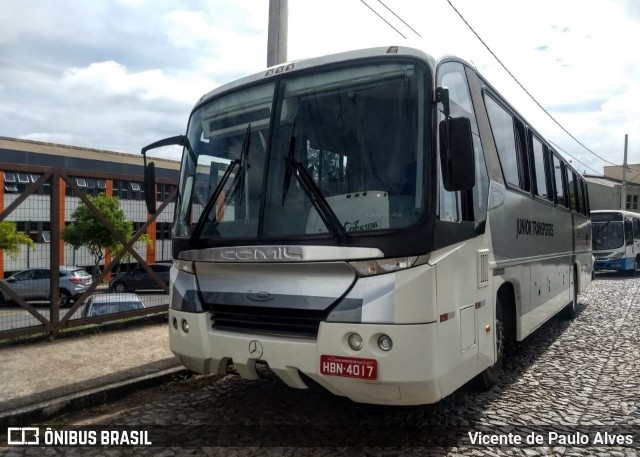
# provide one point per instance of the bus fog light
(175, 323)
(385, 343)
(185, 326)
(355, 341)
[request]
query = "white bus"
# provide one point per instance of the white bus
(377, 222)
(616, 240)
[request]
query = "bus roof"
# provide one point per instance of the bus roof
(299, 65)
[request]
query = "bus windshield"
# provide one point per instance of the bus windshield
(607, 235)
(325, 154)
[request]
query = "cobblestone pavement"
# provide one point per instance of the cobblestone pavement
(577, 379)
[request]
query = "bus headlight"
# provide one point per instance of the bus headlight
(616, 256)
(188, 266)
(381, 266)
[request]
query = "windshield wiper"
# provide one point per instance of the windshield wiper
(314, 194)
(236, 184)
(238, 181)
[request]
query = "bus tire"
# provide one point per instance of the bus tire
(571, 310)
(489, 377)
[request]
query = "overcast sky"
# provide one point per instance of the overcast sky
(119, 74)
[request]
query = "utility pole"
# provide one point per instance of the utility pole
(277, 34)
(623, 193)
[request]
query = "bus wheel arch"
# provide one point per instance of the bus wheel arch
(507, 298)
(505, 330)
(571, 310)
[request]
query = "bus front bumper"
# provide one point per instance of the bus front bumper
(617, 264)
(406, 374)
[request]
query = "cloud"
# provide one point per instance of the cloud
(111, 79)
(120, 74)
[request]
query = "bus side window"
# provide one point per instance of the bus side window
(508, 134)
(559, 182)
(581, 199)
(573, 191)
(539, 169)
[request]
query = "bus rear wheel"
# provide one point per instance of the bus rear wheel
(489, 377)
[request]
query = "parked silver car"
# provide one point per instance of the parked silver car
(101, 304)
(33, 284)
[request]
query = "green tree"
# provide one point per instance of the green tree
(88, 231)
(11, 239)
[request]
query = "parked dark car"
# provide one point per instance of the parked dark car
(33, 284)
(101, 304)
(139, 279)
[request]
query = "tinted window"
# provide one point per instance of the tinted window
(504, 135)
(100, 309)
(80, 273)
(573, 192)
(510, 138)
(539, 169)
(583, 206)
(559, 184)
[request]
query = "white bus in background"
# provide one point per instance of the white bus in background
(394, 223)
(616, 240)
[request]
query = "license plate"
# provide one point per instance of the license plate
(348, 367)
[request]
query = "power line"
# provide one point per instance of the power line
(574, 158)
(522, 87)
(376, 13)
(399, 18)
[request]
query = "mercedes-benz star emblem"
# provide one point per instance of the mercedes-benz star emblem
(255, 349)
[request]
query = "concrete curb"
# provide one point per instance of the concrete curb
(73, 402)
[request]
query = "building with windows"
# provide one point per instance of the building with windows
(26, 172)
(605, 192)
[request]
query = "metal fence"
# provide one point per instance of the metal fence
(46, 289)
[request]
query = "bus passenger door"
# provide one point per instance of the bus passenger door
(630, 244)
(636, 235)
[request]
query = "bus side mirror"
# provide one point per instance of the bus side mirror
(456, 154)
(150, 169)
(150, 187)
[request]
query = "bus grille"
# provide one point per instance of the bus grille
(290, 322)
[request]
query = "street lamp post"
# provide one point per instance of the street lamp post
(623, 192)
